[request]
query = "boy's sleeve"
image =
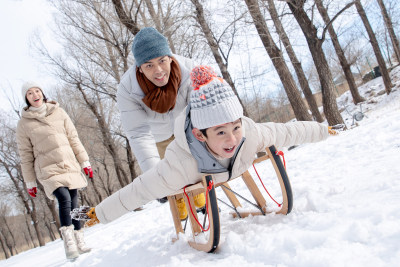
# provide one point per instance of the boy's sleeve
(162, 180)
(292, 133)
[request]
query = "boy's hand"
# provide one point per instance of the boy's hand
(335, 129)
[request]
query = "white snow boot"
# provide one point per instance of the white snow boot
(71, 249)
(80, 242)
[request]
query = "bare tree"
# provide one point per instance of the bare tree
(340, 53)
(221, 60)
(10, 165)
(315, 46)
(372, 38)
(389, 27)
(295, 62)
(276, 56)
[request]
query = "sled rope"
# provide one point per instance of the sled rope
(279, 153)
(209, 187)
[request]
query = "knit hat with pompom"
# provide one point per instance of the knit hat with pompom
(212, 102)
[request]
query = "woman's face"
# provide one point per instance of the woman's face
(35, 97)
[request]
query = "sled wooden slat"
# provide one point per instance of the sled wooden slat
(175, 213)
(192, 215)
(231, 196)
(260, 159)
(255, 192)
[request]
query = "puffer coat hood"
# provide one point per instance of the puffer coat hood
(50, 149)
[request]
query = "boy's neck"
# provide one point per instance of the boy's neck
(223, 161)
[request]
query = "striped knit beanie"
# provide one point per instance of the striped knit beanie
(212, 102)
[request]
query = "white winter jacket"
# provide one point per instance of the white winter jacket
(179, 167)
(143, 126)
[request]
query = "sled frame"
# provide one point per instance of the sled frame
(213, 211)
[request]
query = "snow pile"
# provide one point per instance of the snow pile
(346, 208)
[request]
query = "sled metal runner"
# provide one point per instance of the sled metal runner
(210, 240)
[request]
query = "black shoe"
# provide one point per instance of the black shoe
(162, 200)
(202, 210)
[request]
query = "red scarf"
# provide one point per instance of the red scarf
(161, 99)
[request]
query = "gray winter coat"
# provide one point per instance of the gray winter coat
(143, 126)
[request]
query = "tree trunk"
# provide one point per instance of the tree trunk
(4, 246)
(214, 49)
(340, 53)
(124, 18)
(382, 64)
(52, 207)
(28, 227)
(107, 140)
(51, 234)
(279, 63)
(96, 190)
(325, 76)
(30, 211)
(389, 27)
(295, 62)
(131, 160)
(12, 243)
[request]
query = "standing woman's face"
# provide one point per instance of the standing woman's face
(35, 97)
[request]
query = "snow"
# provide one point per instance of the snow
(346, 208)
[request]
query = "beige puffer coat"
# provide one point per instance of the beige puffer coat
(50, 149)
(179, 167)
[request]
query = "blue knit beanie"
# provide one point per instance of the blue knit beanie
(149, 44)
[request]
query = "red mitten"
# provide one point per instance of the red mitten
(88, 171)
(32, 191)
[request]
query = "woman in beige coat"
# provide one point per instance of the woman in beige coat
(51, 152)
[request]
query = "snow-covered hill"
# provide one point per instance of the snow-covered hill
(346, 209)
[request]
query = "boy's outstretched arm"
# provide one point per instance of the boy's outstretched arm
(292, 133)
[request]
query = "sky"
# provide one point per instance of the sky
(346, 210)
(19, 19)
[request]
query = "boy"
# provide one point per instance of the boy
(211, 136)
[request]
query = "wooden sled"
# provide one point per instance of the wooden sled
(205, 236)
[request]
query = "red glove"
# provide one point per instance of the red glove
(88, 171)
(32, 191)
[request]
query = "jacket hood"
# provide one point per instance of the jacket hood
(206, 162)
(51, 107)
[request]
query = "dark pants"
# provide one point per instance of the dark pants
(67, 201)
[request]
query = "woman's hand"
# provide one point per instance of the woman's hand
(88, 171)
(32, 191)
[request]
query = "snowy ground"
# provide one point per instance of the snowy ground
(346, 209)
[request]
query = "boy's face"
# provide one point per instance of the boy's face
(223, 139)
(157, 70)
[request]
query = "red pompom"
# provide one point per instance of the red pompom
(201, 75)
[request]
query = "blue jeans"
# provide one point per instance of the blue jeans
(67, 201)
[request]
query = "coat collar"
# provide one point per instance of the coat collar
(51, 107)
